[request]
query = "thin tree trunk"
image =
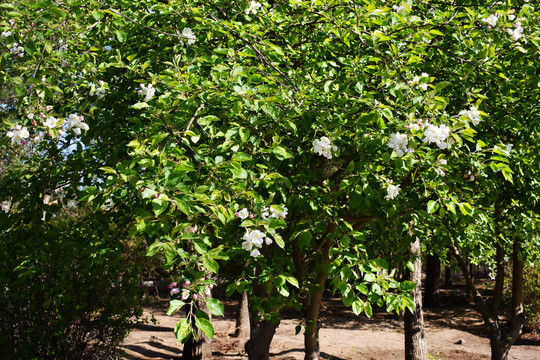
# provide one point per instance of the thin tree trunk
(415, 341)
(500, 341)
(433, 275)
(499, 279)
(258, 346)
(242, 319)
(200, 349)
(311, 335)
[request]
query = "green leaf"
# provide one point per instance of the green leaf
(407, 286)
(210, 264)
(205, 326)
(174, 306)
(282, 152)
(182, 331)
(156, 139)
(215, 307)
(292, 280)
(432, 206)
(159, 206)
(465, 208)
(121, 35)
(140, 105)
(240, 156)
(357, 307)
(367, 309)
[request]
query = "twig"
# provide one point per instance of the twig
(194, 116)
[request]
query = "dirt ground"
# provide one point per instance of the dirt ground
(453, 332)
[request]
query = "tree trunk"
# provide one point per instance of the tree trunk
(415, 341)
(311, 335)
(433, 275)
(500, 341)
(242, 320)
(498, 350)
(258, 346)
(200, 349)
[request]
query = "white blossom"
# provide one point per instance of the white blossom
(253, 7)
(271, 212)
(417, 78)
(53, 122)
(188, 34)
(99, 91)
(491, 20)
(242, 214)
(473, 114)
(253, 240)
(323, 147)
(399, 143)
(12, 22)
(393, 192)
(18, 134)
(17, 50)
(437, 135)
(509, 147)
(439, 169)
(6, 33)
(517, 32)
(75, 122)
(400, 9)
(147, 91)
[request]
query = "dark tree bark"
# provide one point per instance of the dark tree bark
(415, 341)
(433, 275)
(311, 335)
(262, 333)
(242, 320)
(500, 340)
(200, 349)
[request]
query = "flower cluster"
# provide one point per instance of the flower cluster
(393, 191)
(439, 169)
(147, 91)
(253, 241)
(17, 50)
(323, 147)
(188, 34)
(517, 32)
(437, 135)
(18, 134)
(75, 122)
(399, 143)
(253, 7)
(473, 114)
(400, 9)
(271, 212)
(98, 91)
(417, 78)
(53, 123)
(491, 20)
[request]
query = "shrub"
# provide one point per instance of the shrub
(69, 290)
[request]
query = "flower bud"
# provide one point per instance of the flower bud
(195, 296)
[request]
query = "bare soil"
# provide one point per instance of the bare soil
(455, 331)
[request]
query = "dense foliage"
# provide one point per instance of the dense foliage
(282, 137)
